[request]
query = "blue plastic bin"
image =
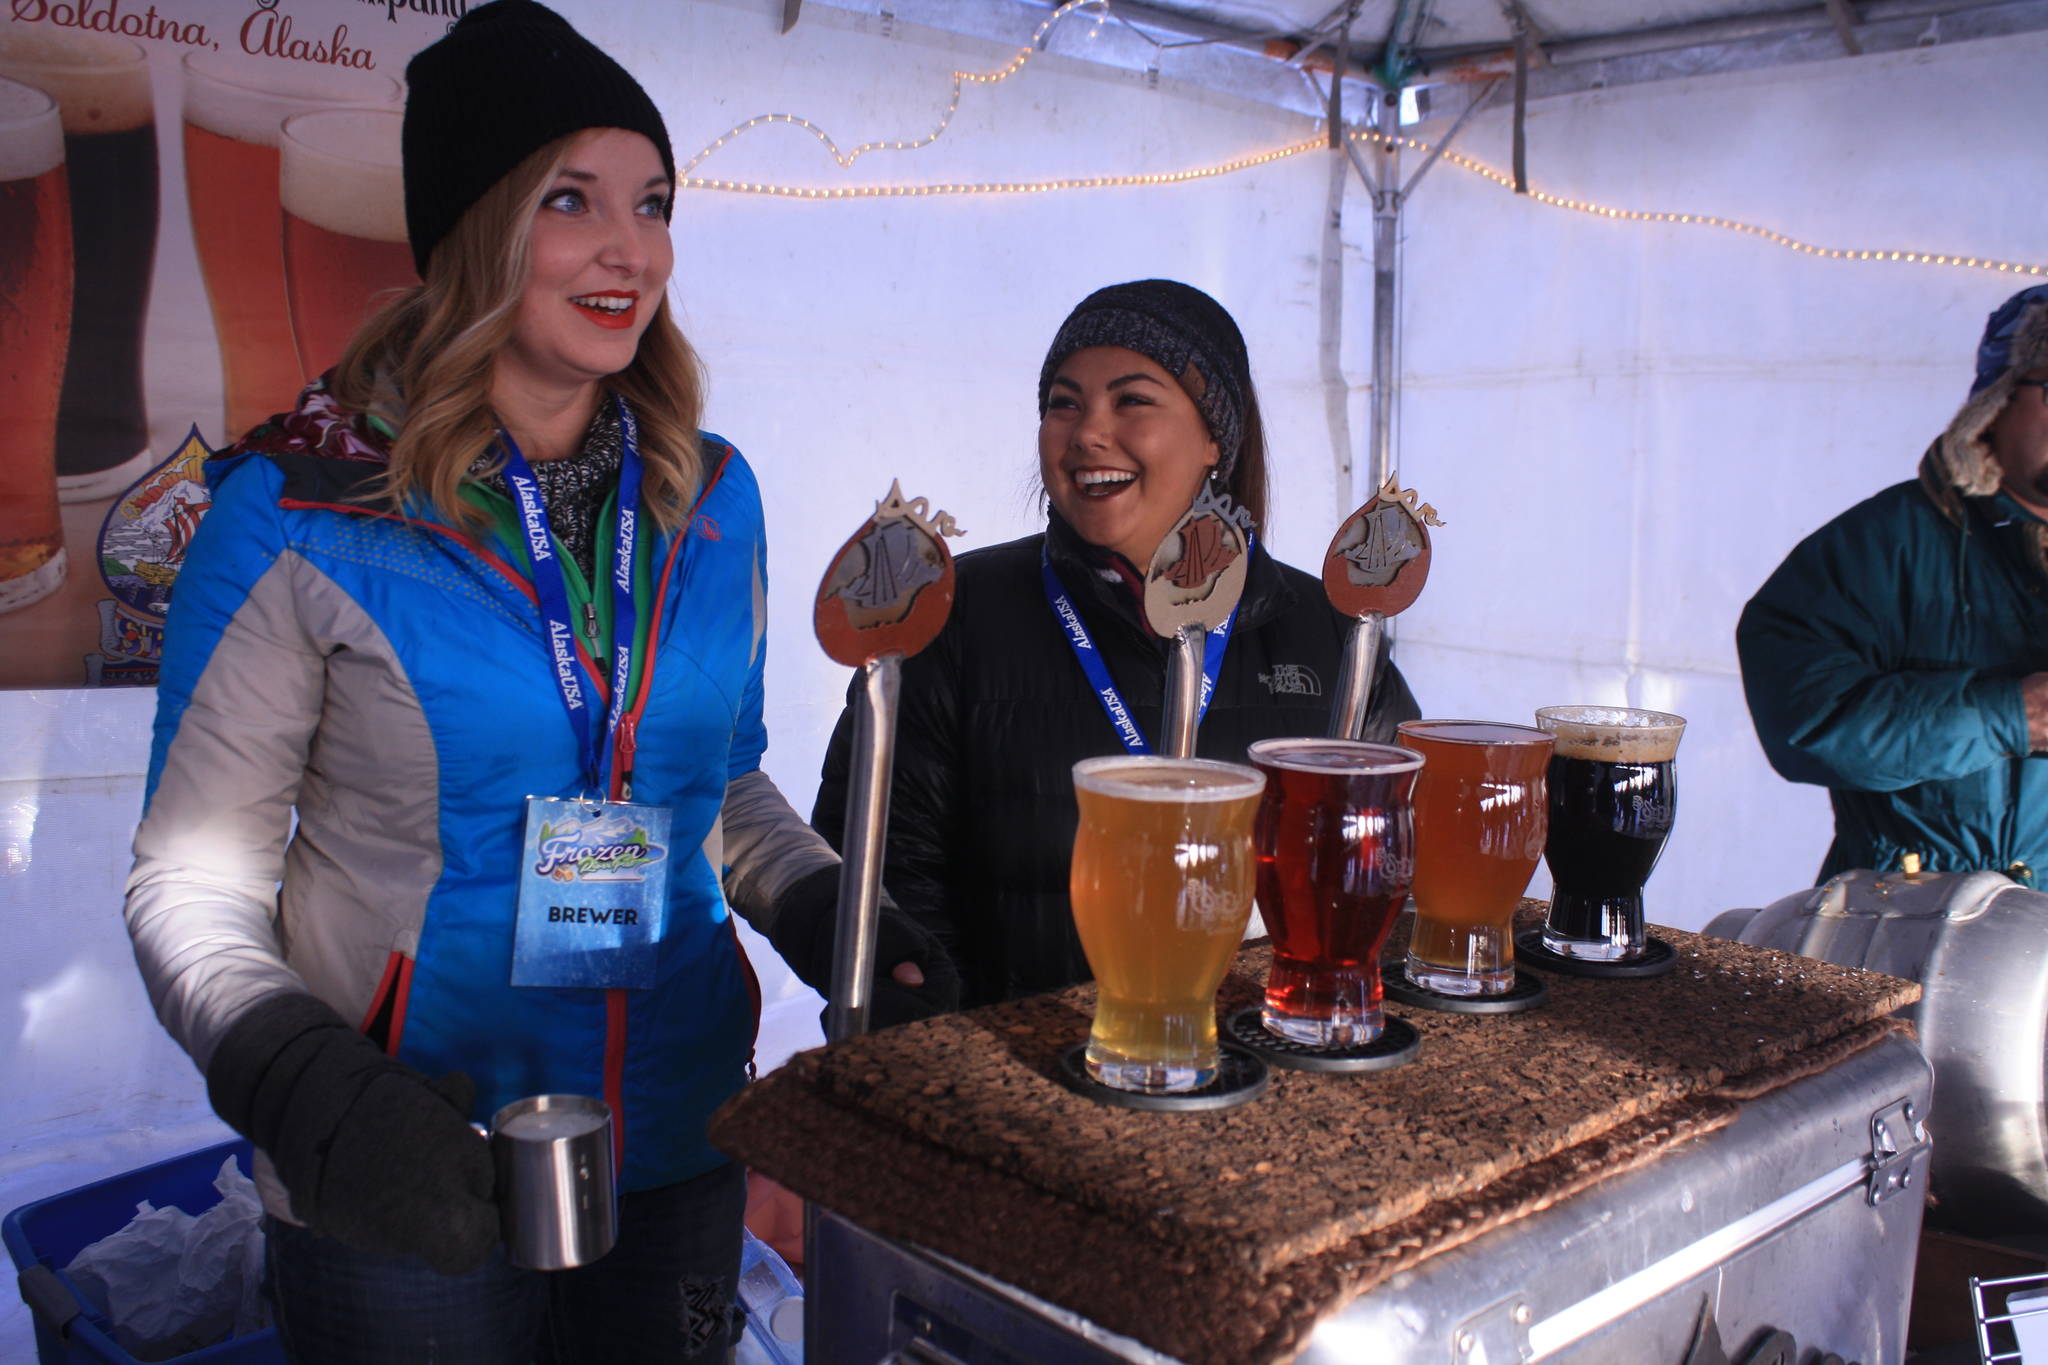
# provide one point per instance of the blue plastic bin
(43, 1237)
(774, 1301)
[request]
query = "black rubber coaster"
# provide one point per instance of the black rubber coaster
(1658, 958)
(1240, 1079)
(1398, 1042)
(1526, 994)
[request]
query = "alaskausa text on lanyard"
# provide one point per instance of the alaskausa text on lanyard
(1092, 664)
(593, 880)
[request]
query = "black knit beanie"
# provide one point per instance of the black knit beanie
(509, 78)
(1181, 329)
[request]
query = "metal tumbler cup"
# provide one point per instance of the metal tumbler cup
(556, 1199)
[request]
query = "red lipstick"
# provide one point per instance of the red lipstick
(614, 318)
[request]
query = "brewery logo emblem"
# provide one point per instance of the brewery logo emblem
(1206, 545)
(609, 846)
(141, 548)
(878, 581)
(1380, 555)
(1292, 680)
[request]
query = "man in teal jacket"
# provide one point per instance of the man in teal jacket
(1899, 655)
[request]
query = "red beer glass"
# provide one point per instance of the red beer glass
(1335, 839)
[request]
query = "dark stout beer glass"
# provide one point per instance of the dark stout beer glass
(1612, 801)
(102, 89)
(1335, 838)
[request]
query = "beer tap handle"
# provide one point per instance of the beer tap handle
(1355, 677)
(1184, 691)
(860, 870)
(885, 597)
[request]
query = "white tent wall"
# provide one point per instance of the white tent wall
(1627, 425)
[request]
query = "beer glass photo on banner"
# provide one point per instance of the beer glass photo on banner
(200, 204)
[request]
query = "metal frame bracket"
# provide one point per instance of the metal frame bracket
(1897, 1136)
(1496, 1335)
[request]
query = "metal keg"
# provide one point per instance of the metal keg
(1977, 943)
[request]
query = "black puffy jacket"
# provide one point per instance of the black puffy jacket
(996, 712)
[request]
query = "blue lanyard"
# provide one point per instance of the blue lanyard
(553, 592)
(1090, 658)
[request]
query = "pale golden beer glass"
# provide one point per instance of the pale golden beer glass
(1162, 889)
(102, 88)
(344, 225)
(35, 329)
(1480, 817)
(234, 119)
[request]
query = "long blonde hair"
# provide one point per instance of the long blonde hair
(423, 363)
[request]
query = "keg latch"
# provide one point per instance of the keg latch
(1897, 1136)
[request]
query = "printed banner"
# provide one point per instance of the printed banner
(199, 203)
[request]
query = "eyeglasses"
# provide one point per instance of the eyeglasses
(2041, 384)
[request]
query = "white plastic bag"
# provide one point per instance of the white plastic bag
(171, 1283)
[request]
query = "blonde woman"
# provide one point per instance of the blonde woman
(485, 613)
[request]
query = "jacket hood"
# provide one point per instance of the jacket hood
(326, 453)
(1962, 458)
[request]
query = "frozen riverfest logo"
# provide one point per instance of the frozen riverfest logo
(610, 847)
(142, 546)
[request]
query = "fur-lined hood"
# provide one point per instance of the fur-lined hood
(1962, 458)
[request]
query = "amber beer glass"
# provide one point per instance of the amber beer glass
(1613, 797)
(1162, 889)
(102, 89)
(1479, 823)
(1335, 837)
(344, 225)
(234, 119)
(35, 328)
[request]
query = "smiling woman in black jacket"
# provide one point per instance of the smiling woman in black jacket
(1144, 396)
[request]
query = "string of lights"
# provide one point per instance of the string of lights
(1090, 182)
(961, 80)
(1776, 238)
(1458, 159)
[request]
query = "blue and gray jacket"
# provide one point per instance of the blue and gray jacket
(385, 680)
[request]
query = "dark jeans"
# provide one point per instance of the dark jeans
(665, 1293)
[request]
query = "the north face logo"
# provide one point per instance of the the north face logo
(1292, 680)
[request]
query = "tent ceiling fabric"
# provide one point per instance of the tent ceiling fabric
(1473, 23)
(1587, 43)
(1270, 51)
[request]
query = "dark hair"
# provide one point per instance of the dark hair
(1247, 482)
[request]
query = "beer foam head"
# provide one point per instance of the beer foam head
(339, 169)
(1180, 780)
(249, 102)
(1613, 734)
(1350, 757)
(31, 135)
(100, 82)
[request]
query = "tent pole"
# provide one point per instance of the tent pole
(1386, 222)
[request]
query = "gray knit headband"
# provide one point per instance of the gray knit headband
(1180, 329)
